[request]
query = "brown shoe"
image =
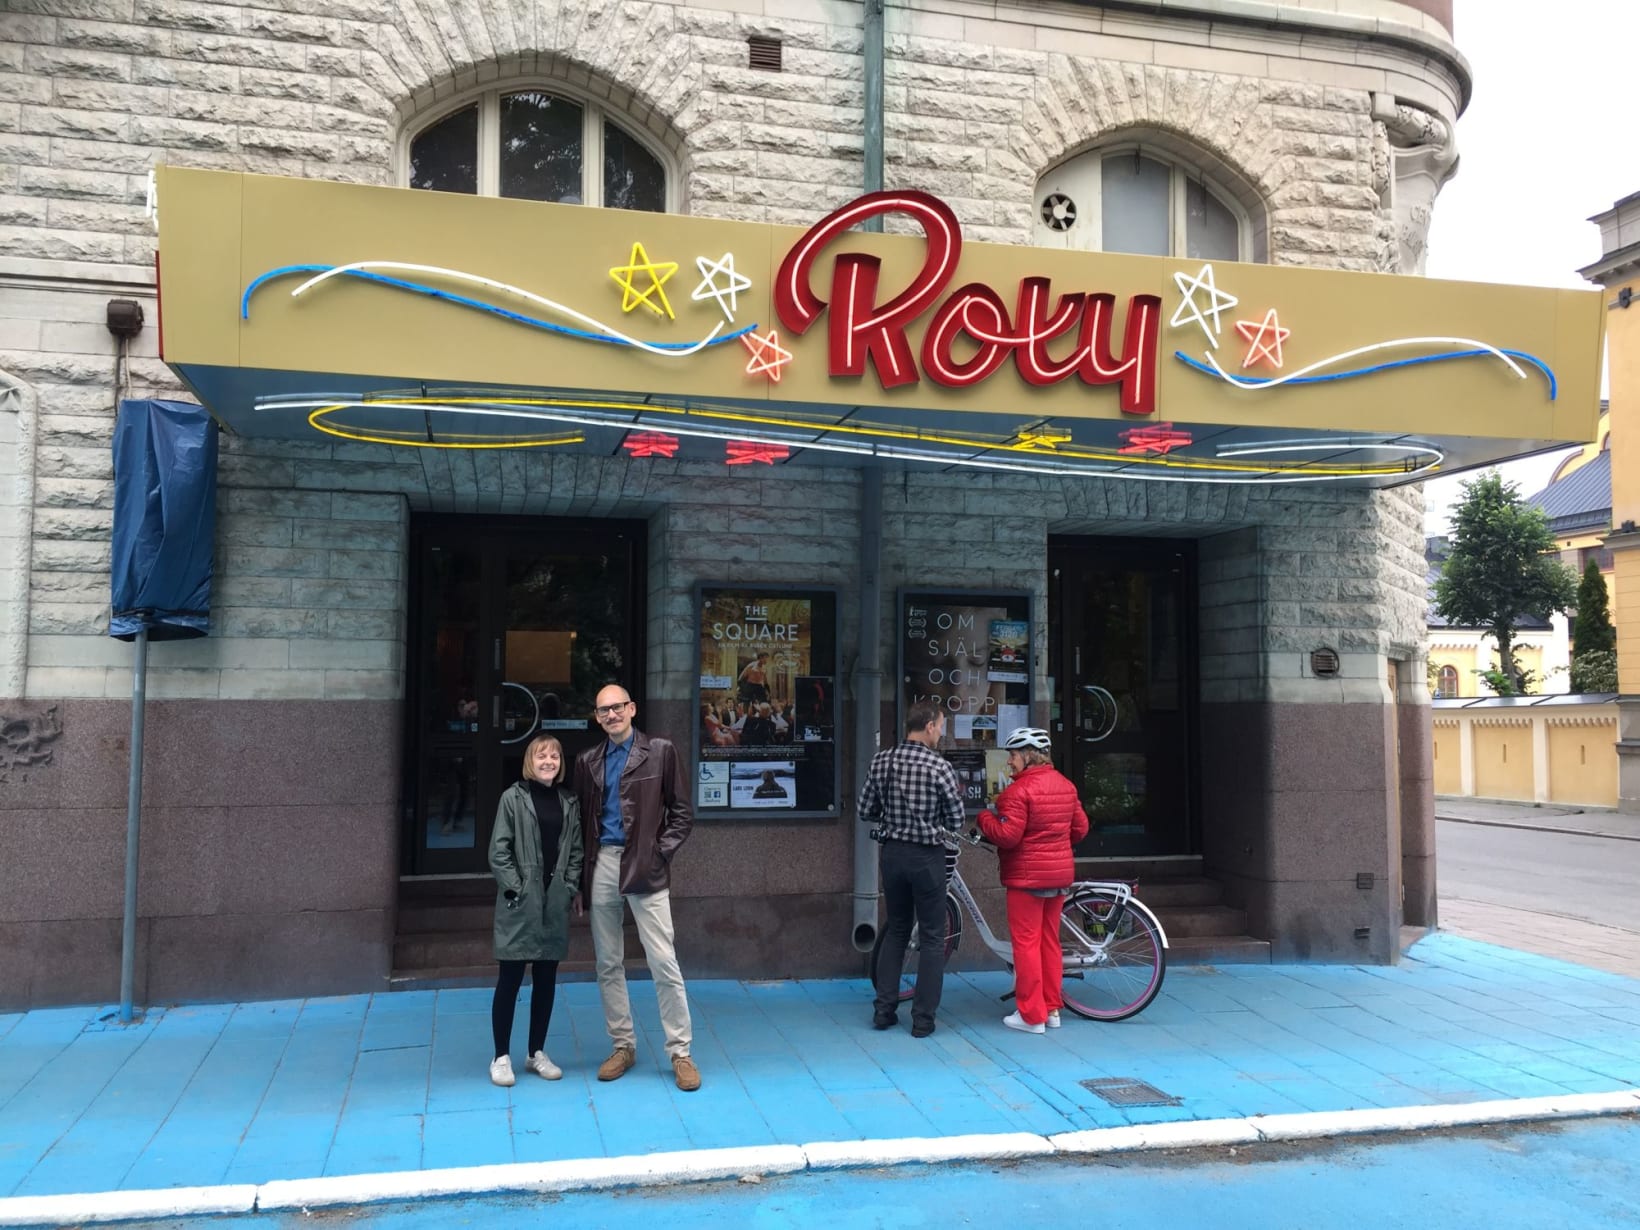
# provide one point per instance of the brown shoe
(687, 1074)
(618, 1064)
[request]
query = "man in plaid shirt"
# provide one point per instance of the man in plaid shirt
(912, 798)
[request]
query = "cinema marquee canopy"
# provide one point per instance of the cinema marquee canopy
(300, 309)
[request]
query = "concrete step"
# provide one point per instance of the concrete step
(424, 917)
(1161, 893)
(1217, 950)
(1201, 921)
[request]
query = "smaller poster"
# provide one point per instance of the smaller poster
(996, 773)
(970, 770)
(762, 784)
(1009, 660)
(713, 790)
(1010, 718)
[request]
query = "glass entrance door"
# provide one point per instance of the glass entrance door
(518, 623)
(1122, 658)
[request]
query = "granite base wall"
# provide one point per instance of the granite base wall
(268, 861)
(1296, 804)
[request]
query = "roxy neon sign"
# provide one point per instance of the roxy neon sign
(864, 330)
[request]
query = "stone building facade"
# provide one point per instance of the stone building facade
(275, 783)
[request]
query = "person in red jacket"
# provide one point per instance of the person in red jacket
(1035, 822)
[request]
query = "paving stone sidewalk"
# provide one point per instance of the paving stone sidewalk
(246, 1093)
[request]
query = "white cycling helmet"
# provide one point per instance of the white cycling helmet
(1028, 737)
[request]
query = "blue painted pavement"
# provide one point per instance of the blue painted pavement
(246, 1093)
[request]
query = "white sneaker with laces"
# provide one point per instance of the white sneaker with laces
(543, 1067)
(1014, 1021)
(501, 1072)
(1053, 1019)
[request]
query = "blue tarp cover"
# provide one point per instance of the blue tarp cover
(164, 520)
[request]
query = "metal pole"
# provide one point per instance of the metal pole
(873, 181)
(133, 821)
(868, 697)
(868, 665)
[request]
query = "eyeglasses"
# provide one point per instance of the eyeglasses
(604, 711)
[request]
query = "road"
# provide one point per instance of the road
(1582, 1173)
(1558, 894)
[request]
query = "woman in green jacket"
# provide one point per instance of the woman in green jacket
(536, 855)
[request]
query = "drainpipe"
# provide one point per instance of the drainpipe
(868, 666)
(868, 694)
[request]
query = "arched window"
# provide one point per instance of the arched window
(1132, 198)
(537, 145)
(1448, 684)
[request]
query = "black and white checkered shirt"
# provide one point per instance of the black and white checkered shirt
(911, 794)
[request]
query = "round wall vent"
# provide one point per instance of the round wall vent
(1058, 212)
(1324, 663)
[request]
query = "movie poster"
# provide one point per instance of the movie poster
(970, 654)
(766, 721)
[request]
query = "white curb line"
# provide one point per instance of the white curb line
(997, 1146)
(698, 1165)
(583, 1174)
(127, 1206)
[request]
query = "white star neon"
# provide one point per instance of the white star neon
(709, 288)
(1190, 312)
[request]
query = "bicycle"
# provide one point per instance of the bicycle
(1115, 949)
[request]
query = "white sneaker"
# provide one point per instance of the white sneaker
(543, 1067)
(1014, 1021)
(501, 1072)
(1053, 1019)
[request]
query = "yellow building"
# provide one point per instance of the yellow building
(1578, 503)
(1618, 270)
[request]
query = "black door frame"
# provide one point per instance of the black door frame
(495, 536)
(1065, 551)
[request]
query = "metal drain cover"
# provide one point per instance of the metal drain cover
(1129, 1091)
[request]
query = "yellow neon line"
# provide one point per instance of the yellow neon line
(315, 420)
(1113, 458)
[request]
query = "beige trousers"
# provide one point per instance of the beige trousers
(653, 914)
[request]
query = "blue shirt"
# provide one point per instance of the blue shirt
(611, 832)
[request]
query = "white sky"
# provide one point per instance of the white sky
(1549, 139)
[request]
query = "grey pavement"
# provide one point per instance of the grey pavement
(257, 1092)
(1542, 880)
(1560, 818)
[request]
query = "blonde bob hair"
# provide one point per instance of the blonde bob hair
(529, 760)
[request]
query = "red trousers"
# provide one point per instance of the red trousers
(1039, 964)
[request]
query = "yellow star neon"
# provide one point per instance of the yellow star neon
(1043, 438)
(658, 271)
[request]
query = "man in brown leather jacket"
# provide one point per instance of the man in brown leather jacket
(634, 816)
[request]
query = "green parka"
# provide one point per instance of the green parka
(538, 928)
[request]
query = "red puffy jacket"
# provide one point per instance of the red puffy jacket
(1041, 817)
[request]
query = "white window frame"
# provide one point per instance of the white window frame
(593, 117)
(1183, 177)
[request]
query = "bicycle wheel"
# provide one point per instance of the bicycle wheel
(908, 972)
(1114, 963)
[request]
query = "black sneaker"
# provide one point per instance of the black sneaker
(921, 1029)
(884, 1020)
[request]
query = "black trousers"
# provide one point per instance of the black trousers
(913, 889)
(543, 990)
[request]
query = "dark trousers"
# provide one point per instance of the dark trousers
(913, 889)
(543, 991)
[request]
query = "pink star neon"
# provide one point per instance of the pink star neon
(1260, 350)
(768, 355)
(1159, 438)
(650, 444)
(746, 452)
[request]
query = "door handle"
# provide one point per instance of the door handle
(495, 712)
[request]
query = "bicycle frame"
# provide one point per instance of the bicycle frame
(957, 887)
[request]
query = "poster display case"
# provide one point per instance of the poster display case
(765, 722)
(969, 651)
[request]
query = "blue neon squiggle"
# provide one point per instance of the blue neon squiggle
(1532, 360)
(434, 292)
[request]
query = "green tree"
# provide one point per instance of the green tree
(1499, 572)
(1592, 632)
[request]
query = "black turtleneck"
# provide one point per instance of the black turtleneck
(549, 814)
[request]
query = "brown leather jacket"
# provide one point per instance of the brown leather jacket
(654, 810)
